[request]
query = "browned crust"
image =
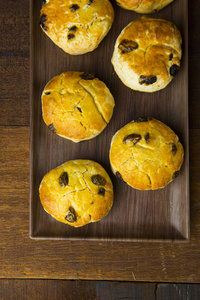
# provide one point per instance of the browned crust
(76, 28)
(144, 6)
(158, 49)
(150, 163)
(76, 108)
(80, 195)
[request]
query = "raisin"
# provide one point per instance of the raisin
(98, 179)
(63, 179)
(119, 176)
(142, 119)
(74, 7)
(71, 215)
(87, 76)
(89, 3)
(171, 56)
(47, 93)
(52, 128)
(147, 79)
(174, 70)
(73, 29)
(174, 149)
(70, 36)
(127, 46)
(101, 191)
(147, 138)
(132, 137)
(79, 109)
(176, 174)
(43, 19)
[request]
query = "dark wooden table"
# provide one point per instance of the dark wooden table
(93, 270)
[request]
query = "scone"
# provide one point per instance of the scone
(76, 26)
(77, 192)
(76, 105)
(146, 154)
(145, 6)
(147, 54)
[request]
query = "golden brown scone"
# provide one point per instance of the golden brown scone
(76, 26)
(147, 54)
(144, 6)
(77, 192)
(146, 154)
(76, 105)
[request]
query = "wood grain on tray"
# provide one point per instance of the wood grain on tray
(136, 215)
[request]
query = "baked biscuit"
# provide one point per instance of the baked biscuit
(77, 192)
(146, 154)
(145, 6)
(76, 26)
(76, 105)
(147, 54)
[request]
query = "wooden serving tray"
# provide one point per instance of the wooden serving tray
(160, 215)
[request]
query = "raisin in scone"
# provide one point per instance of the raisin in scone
(144, 6)
(76, 105)
(147, 54)
(76, 26)
(77, 192)
(146, 154)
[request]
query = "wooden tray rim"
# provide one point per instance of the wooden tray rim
(185, 239)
